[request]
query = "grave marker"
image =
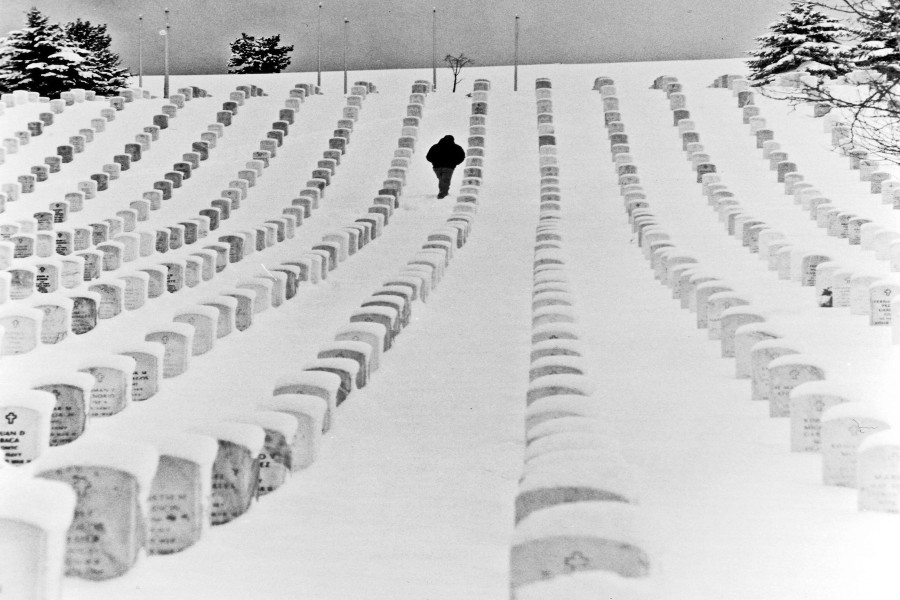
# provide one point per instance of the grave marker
(111, 480)
(235, 472)
(844, 427)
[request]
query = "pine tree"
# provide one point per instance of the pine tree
(40, 58)
(878, 46)
(263, 55)
(102, 61)
(802, 39)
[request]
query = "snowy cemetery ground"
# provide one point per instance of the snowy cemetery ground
(581, 213)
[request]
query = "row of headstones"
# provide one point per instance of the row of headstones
(202, 265)
(115, 239)
(233, 483)
(575, 506)
(859, 159)
(65, 153)
(110, 297)
(45, 119)
(25, 184)
(340, 367)
(864, 292)
(58, 212)
(778, 369)
(832, 417)
(136, 374)
(111, 501)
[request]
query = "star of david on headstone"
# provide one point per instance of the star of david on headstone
(577, 562)
(11, 417)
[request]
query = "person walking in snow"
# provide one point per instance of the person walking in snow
(444, 157)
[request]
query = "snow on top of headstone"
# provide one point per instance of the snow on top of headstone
(879, 411)
(581, 405)
(608, 520)
(575, 382)
(194, 447)
(777, 343)
(563, 424)
(305, 403)
(574, 362)
(179, 328)
(600, 459)
(800, 359)
(41, 502)
(570, 439)
(746, 309)
(851, 390)
(583, 474)
(112, 361)
(361, 347)
(888, 437)
(574, 346)
(317, 378)
(283, 423)
(344, 364)
(156, 350)
(136, 458)
(34, 399)
(590, 585)
(249, 436)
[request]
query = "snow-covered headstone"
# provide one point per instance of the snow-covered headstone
(111, 479)
(179, 502)
(580, 536)
(844, 427)
(235, 472)
(34, 517)
(25, 418)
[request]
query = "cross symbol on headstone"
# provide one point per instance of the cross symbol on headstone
(577, 562)
(11, 417)
(81, 485)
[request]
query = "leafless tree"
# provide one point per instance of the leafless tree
(456, 64)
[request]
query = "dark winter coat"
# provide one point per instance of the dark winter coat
(445, 154)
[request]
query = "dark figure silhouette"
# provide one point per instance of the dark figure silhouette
(444, 157)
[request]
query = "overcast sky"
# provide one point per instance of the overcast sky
(397, 33)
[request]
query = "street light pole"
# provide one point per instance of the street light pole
(140, 51)
(346, 23)
(516, 59)
(166, 51)
(319, 48)
(434, 49)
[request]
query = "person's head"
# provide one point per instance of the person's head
(447, 139)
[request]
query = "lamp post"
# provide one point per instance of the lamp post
(319, 48)
(346, 23)
(434, 49)
(140, 51)
(516, 59)
(165, 34)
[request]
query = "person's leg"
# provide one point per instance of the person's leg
(444, 178)
(438, 172)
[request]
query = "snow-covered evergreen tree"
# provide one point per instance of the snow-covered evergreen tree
(262, 55)
(102, 61)
(879, 47)
(803, 39)
(40, 58)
